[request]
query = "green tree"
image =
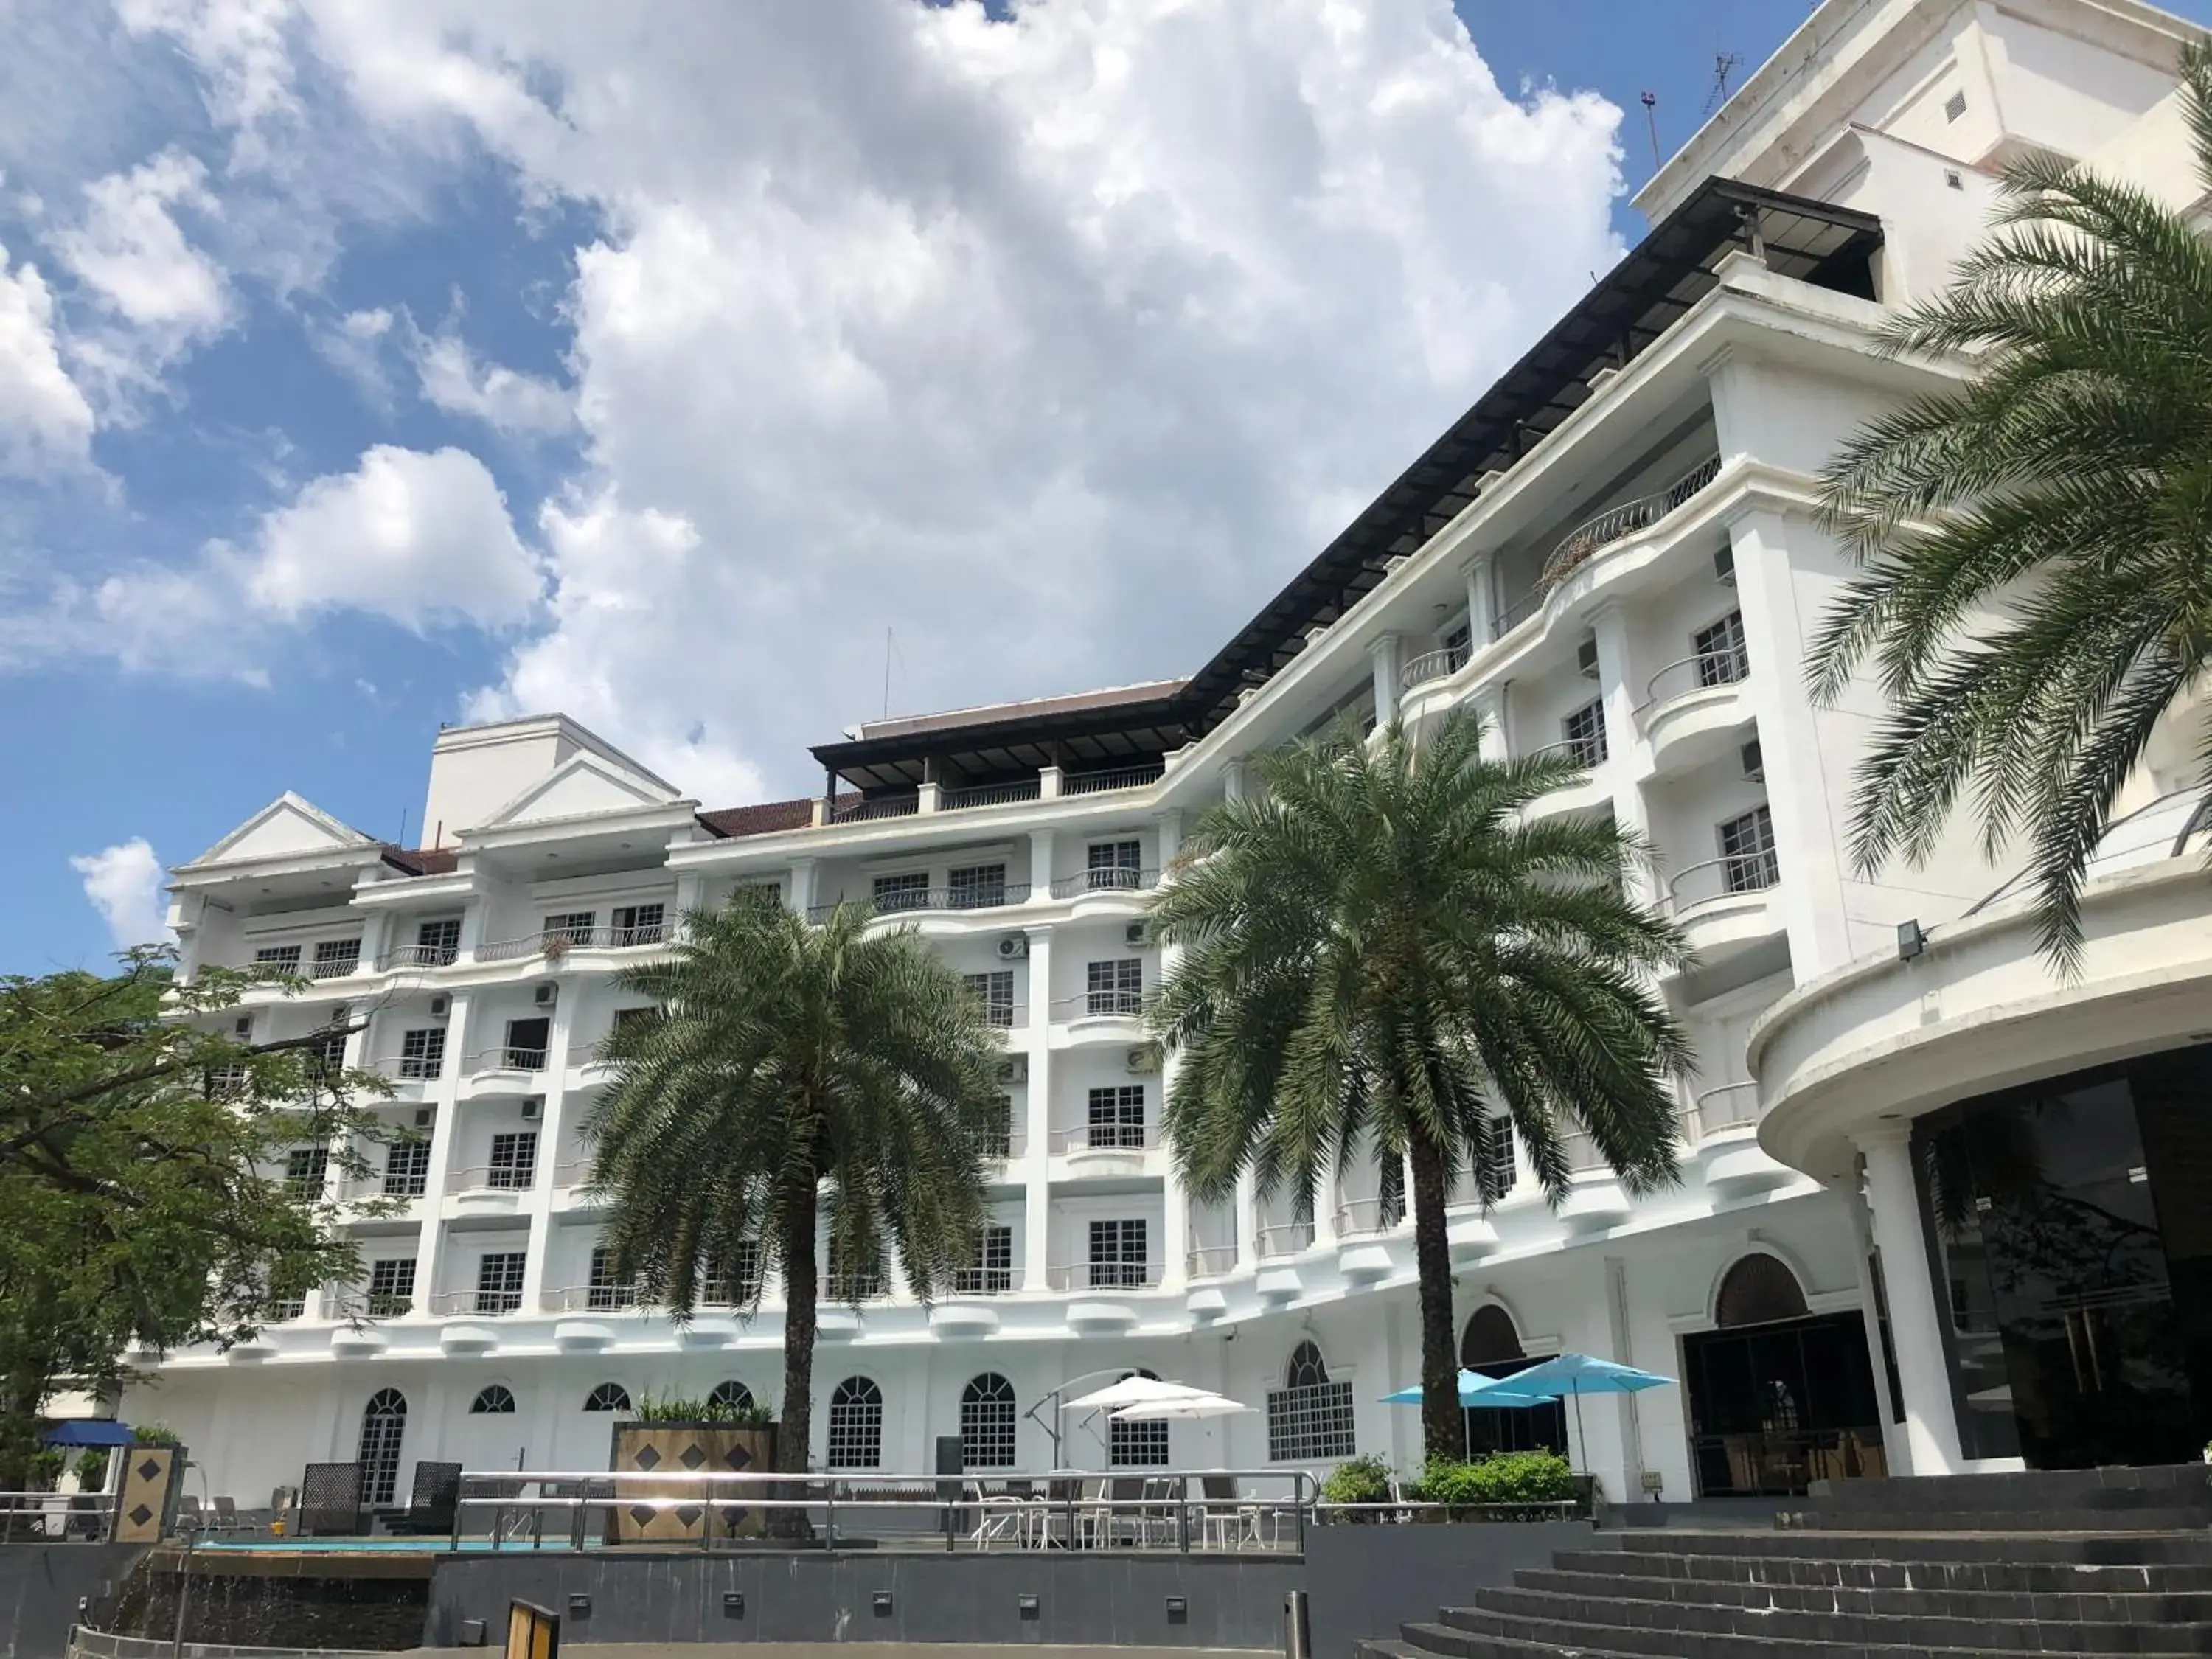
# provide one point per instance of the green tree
(2036, 545)
(1379, 957)
(794, 1072)
(141, 1175)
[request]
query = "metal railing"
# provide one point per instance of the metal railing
(920, 899)
(1705, 672)
(1625, 520)
(1210, 1260)
(1434, 666)
(883, 806)
(1165, 1509)
(1006, 1016)
(1730, 1106)
(984, 1281)
(504, 1057)
(1362, 1218)
(2135, 838)
(1119, 777)
(590, 1299)
(480, 1304)
(1105, 1138)
(1590, 753)
(1518, 612)
(57, 1517)
(494, 1178)
(559, 941)
(418, 956)
(336, 967)
(1001, 1147)
(1720, 877)
(1282, 1238)
(1582, 1155)
(1105, 881)
(408, 1068)
(1104, 1276)
(990, 794)
(1103, 1004)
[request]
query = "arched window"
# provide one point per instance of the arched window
(1489, 1338)
(856, 1424)
(1308, 1418)
(607, 1397)
(732, 1392)
(1491, 1345)
(1136, 1445)
(383, 1422)
(497, 1400)
(987, 1423)
(1758, 1290)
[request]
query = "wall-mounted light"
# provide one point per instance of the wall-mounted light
(733, 1604)
(1910, 941)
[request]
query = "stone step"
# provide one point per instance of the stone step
(1471, 1634)
(2074, 1605)
(2162, 1485)
(1998, 1573)
(1436, 1641)
(2095, 1549)
(1895, 1627)
(2005, 1519)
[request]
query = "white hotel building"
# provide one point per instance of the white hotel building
(1613, 549)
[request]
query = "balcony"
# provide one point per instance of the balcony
(1113, 1009)
(336, 966)
(1078, 1276)
(479, 1304)
(1616, 523)
(1731, 1106)
(1210, 1260)
(1434, 666)
(921, 900)
(1119, 777)
(418, 956)
(1727, 904)
(1104, 1151)
(1105, 881)
(408, 1068)
(1692, 708)
(590, 1298)
(1283, 1238)
(990, 794)
(1588, 793)
(554, 943)
(1596, 1199)
(1721, 1125)
(1367, 1218)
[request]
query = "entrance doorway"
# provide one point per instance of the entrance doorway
(1779, 1396)
(1491, 1345)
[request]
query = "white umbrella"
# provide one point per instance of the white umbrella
(1137, 1391)
(1166, 1411)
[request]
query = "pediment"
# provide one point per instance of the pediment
(584, 786)
(288, 827)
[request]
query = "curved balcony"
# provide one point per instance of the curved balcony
(1119, 777)
(1717, 1111)
(1617, 523)
(990, 794)
(554, 943)
(1726, 903)
(504, 1068)
(1588, 793)
(1723, 1123)
(1434, 666)
(486, 1190)
(1105, 881)
(1692, 708)
(1096, 1150)
(1210, 1260)
(931, 900)
(418, 956)
(1282, 1238)
(1103, 1015)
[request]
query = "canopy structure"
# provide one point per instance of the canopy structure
(1177, 1411)
(1138, 1391)
(88, 1432)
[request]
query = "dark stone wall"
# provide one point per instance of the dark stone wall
(1362, 1582)
(1082, 1599)
(39, 1585)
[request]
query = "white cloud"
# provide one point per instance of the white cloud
(45, 422)
(238, 45)
(123, 883)
(457, 380)
(354, 346)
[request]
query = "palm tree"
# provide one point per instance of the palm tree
(792, 1069)
(2036, 546)
(1380, 954)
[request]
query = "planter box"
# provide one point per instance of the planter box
(690, 1447)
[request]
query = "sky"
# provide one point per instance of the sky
(371, 364)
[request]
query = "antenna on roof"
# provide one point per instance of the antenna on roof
(1652, 116)
(1725, 64)
(403, 826)
(890, 649)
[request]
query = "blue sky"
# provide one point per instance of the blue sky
(365, 367)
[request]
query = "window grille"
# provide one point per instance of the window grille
(1116, 986)
(733, 1393)
(383, 1424)
(607, 1397)
(335, 958)
(987, 1423)
(437, 943)
(283, 957)
(499, 1281)
(496, 1400)
(1113, 865)
(1118, 1256)
(639, 924)
(406, 1168)
(305, 1168)
(1722, 659)
(976, 886)
(423, 1053)
(606, 1291)
(514, 1161)
(392, 1287)
(1136, 1445)
(1308, 1418)
(1495, 1171)
(994, 1272)
(995, 994)
(736, 1282)
(856, 1424)
(1583, 735)
(1748, 847)
(907, 891)
(569, 927)
(1117, 1116)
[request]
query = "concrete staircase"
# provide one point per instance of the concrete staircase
(2099, 1561)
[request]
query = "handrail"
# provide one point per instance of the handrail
(1729, 1106)
(590, 1299)
(407, 1068)
(1119, 777)
(989, 794)
(418, 956)
(1116, 1276)
(471, 1303)
(1583, 1154)
(919, 900)
(1282, 1238)
(559, 941)
(1105, 1138)
(883, 806)
(1209, 1261)
(1363, 1218)
(1588, 753)
(1108, 1005)
(494, 1178)
(1518, 612)
(1104, 881)
(985, 1281)
(1625, 520)
(504, 1057)
(1714, 669)
(339, 968)
(1739, 872)
(2195, 822)
(1434, 666)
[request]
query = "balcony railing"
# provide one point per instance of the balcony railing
(1104, 1276)
(1360, 1218)
(1518, 612)
(590, 1298)
(408, 1068)
(1702, 672)
(493, 1177)
(1734, 872)
(486, 1304)
(983, 1281)
(883, 806)
(1730, 1106)
(916, 900)
(1283, 1238)
(1434, 666)
(1582, 1155)
(559, 941)
(1617, 522)
(1105, 1138)
(1103, 1004)
(1119, 777)
(504, 1057)
(1001, 1147)
(418, 956)
(1590, 753)
(335, 967)
(990, 794)
(1210, 1260)
(1105, 881)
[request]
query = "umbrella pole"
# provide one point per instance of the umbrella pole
(1580, 1433)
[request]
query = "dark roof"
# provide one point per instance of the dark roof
(763, 818)
(1630, 307)
(422, 860)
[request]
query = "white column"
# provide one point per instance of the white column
(187, 913)
(802, 873)
(1050, 780)
(929, 797)
(1326, 1197)
(1481, 608)
(430, 1239)
(1036, 1160)
(1624, 1352)
(376, 940)
(1232, 780)
(1491, 708)
(537, 1203)
(1387, 656)
(1621, 676)
(1175, 1211)
(1041, 875)
(1915, 1324)
(1897, 1452)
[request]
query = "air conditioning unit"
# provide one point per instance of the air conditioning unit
(425, 1116)
(1133, 936)
(1754, 768)
(1142, 1062)
(1586, 659)
(531, 1106)
(1724, 567)
(544, 995)
(1017, 1069)
(1013, 947)
(440, 1006)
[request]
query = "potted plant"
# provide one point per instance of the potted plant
(1365, 1480)
(671, 1434)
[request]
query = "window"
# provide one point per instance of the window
(856, 1424)
(639, 924)
(736, 1283)
(499, 1281)
(607, 1397)
(1117, 988)
(909, 891)
(625, 1019)
(978, 886)
(1117, 1254)
(406, 1168)
(392, 1287)
(1113, 865)
(285, 959)
(1308, 1418)
(1136, 1445)
(606, 1291)
(336, 957)
(283, 1308)
(1719, 650)
(423, 1053)
(1117, 1116)
(1583, 735)
(437, 943)
(514, 1161)
(525, 1043)
(383, 1424)
(495, 1400)
(853, 1282)
(732, 1393)
(568, 927)
(304, 1170)
(987, 1423)
(995, 991)
(1456, 641)
(996, 1138)
(327, 1054)
(1747, 852)
(994, 1272)
(1758, 1290)
(1494, 1169)
(768, 895)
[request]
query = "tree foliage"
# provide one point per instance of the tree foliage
(142, 1175)
(1381, 957)
(794, 1073)
(2036, 590)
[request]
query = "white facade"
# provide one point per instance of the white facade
(1671, 653)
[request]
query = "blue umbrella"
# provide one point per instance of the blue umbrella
(1476, 1389)
(1578, 1374)
(88, 1432)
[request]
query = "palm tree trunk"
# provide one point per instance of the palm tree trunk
(1443, 1428)
(795, 1437)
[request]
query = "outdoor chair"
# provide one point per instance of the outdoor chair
(329, 1500)
(1119, 1513)
(432, 1505)
(1058, 1513)
(1163, 1498)
(228, 1519)
(1228, 1517)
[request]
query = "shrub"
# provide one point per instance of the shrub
(1363, 1481)
(1508, 1478)
(91, 1469)
(154, 1434)
(673, 1408)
